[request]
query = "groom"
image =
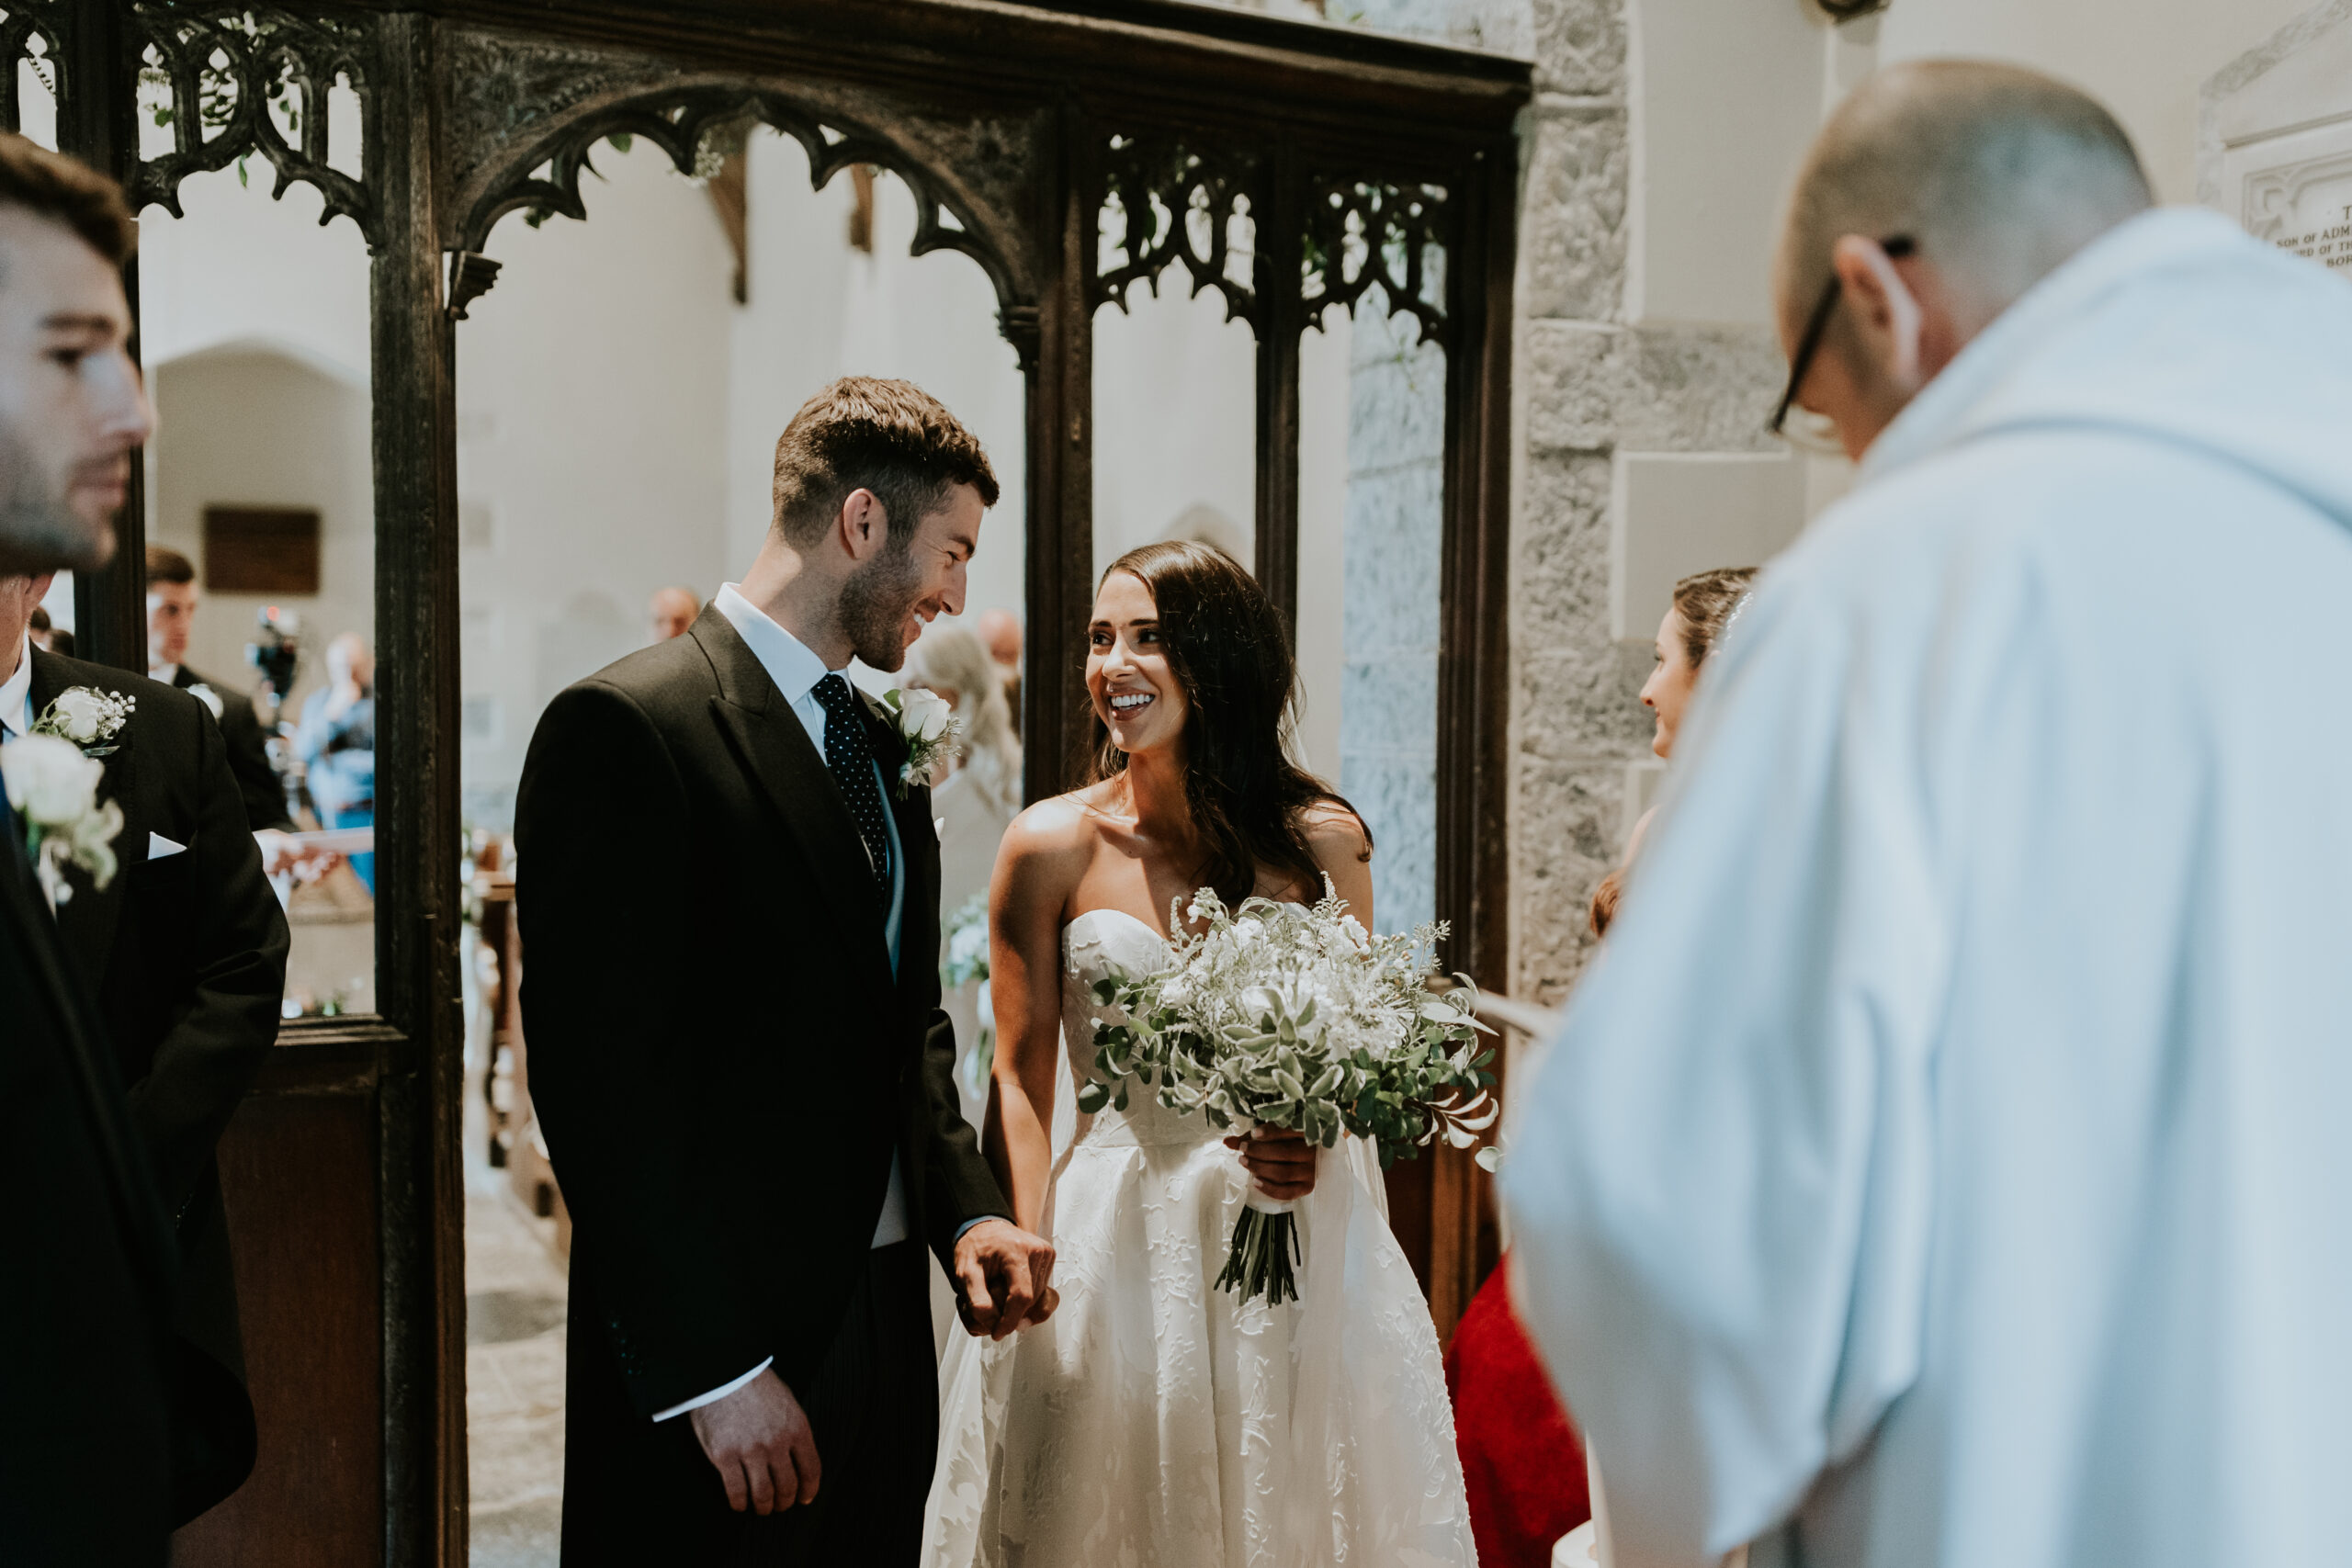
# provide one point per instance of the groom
(730, 905)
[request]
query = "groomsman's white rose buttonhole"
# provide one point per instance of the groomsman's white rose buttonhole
(928, 727)
(87, 717)
(209, 698)
(1280, 1016)
(55, 788)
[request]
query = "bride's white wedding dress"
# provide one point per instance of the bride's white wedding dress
(1157, 1422)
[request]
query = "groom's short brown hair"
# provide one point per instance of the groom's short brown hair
(890, 437)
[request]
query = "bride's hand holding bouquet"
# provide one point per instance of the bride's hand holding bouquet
(1283, 1017)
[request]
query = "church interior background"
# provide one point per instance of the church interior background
(1481, 493)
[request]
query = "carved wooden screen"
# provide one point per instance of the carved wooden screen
(1356, 160)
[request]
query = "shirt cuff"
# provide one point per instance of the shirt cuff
(715, 1394)
(977, 1220)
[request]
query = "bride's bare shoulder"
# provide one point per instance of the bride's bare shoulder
(1057, 834)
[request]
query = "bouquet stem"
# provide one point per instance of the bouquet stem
(1265, 1247)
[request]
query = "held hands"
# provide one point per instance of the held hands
(759, 1441)
(1282, 1160)
(1002, 1276)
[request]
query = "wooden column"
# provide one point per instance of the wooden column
(1280, 320)
(97, 122)
(1474, 664)
(416, 820)
(1056, 720)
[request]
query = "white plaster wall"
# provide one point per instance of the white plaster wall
(244, 426)
(2144, 59)
(592, 430)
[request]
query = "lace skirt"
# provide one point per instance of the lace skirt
(1157, 1422)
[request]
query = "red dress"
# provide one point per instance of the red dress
(1520, 1458)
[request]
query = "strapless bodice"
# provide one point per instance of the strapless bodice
(1094, 944)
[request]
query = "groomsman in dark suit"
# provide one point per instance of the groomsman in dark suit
(184, 948)
(171, 600)
(85, 1458)
(730, 901)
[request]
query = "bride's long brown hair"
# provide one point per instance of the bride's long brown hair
(1225, 647)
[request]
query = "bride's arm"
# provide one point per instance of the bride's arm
(1036, 869)
(1343, 850)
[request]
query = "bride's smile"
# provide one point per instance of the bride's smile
(1136, 693)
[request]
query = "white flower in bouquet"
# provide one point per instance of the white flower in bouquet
(1282, 1015)
(56, 789)
(928, 725)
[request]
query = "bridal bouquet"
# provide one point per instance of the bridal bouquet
(1277, 1015)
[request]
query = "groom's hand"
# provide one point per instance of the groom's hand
(1004, 1274)
(759, 1441)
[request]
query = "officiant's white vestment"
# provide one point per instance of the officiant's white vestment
(1949, 1159)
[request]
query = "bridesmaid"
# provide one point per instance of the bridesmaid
(1520, 1458)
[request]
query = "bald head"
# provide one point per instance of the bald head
(1999, 174)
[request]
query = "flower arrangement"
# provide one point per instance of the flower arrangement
(1280, 1015)
(87, 717)
(928, 727)
(965, 959)
(55, 788)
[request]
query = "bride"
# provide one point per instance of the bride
(1153, 1420)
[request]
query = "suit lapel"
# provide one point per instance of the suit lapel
(87, 920)
(768, 739)
(23, 907)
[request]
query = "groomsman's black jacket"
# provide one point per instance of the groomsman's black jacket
(718, 1053)
(85, 1263)
(258, 781)
(186, 952)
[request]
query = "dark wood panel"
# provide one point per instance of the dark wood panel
(299, 1174)
(261, 550)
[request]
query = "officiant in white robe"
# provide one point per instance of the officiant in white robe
(1949, 1161)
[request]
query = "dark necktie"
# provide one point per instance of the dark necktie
(849, 753)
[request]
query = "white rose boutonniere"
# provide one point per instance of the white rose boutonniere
(56, 789)
(928, 725)
(209, 698)
(87, 717)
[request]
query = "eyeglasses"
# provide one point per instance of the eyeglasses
(1896, 247)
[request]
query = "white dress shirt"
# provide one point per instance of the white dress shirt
(16, 696)
(795, 670)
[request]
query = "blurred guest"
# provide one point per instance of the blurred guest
(172, 602)
(185, 948)
(1945, 1163)
(671, 611)
(1001, 629)
(336, 741)
(979, 799)
(47, 638)
(86, 1451)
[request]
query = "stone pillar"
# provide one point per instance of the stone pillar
(1642, 458)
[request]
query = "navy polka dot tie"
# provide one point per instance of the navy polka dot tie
(849, 753)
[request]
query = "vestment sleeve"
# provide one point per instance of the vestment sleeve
(1720, 1183)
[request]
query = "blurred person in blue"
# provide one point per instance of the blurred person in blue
(1944, 1161)
(336, 741)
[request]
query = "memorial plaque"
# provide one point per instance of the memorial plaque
(261, 550)
(2277, 140)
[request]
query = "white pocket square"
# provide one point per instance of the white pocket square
(159, 846)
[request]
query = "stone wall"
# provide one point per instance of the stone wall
(1601, 401)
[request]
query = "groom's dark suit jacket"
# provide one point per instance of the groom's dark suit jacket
(86, 1463)
(719, 1053)
(185, 953)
